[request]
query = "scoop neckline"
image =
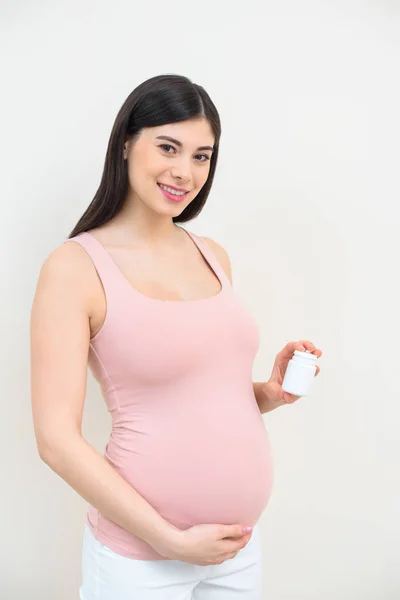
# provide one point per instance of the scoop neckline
(160, 300)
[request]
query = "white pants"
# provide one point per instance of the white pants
(110, 576)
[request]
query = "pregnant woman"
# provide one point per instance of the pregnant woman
(175, 500)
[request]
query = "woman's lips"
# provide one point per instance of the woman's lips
(173, 197)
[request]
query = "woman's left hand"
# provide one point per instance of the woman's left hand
(273, 387)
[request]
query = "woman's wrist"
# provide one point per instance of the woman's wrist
(165, 539)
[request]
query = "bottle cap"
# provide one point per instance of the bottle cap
(306, 354)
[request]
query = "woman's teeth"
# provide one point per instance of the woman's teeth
(171, 191)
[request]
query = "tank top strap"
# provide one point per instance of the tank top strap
(211, 258)
(106, 268)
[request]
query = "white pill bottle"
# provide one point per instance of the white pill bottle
(300, 373)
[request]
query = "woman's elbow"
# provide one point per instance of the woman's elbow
(53, 450)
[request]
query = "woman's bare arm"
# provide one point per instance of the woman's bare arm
(60, 337)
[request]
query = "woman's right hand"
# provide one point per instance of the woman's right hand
(207, 544)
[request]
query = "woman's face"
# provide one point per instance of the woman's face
(179, 163)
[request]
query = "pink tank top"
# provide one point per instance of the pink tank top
(176, 376)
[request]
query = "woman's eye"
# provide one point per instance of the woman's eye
(164, 146)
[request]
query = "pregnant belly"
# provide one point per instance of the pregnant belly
(206, 473)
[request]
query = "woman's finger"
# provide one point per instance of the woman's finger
(311, 347)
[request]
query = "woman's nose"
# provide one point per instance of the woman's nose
(182, 170)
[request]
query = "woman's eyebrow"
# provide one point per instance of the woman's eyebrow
(178, 143)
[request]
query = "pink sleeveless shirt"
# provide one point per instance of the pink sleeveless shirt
(176, 376)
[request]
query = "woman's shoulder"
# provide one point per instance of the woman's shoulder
(66, 259)
(68, 269)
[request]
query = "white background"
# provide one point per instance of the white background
(306, 202)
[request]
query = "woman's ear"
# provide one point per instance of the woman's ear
(126, 149)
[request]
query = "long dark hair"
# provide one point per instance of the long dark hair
(157, 101)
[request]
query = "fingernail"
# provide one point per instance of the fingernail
(247, 529)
